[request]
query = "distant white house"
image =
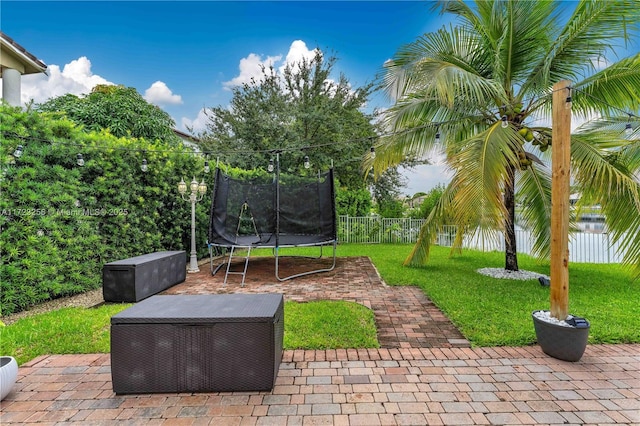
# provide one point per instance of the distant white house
(590, 218)
(188, 140)
(15, 61)
(414, 202)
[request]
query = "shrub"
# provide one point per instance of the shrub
(60, 222)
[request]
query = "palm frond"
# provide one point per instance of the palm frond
(534, 188)
(611, 89)
(606, 178)
(588, 35)
(429, 230)
(413, 123)
(445, 66)
(481, 165)
(503, 59)
(519, 37)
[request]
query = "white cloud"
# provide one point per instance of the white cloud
(540, 119)
(297, 52)
(251, 68)
(76, 78)
(198, 124)
(158, 93)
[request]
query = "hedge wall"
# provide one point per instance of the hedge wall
(60, 223)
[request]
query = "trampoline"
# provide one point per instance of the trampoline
(271, 213)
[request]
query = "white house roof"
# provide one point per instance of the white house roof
(16, 57)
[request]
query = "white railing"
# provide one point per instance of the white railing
(583, 247)
(375, 230)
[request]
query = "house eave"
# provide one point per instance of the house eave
(14, 56)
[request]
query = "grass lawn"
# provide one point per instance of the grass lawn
(328, 325)
(497, 312)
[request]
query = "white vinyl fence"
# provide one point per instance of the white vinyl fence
(583, 247)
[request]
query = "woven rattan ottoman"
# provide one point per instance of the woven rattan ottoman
(198, 343)
(136, 278)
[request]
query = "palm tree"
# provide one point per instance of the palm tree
(480, 92)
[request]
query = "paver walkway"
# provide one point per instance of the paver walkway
(419, 377)
(404, 316)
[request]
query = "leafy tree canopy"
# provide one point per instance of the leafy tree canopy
(387, 194)
(121, 110)
(431, 200)
(301, 111)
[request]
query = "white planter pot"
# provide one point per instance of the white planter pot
(8, 375)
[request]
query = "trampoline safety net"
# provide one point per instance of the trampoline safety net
(285, 212)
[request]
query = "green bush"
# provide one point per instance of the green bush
(355, 202)
(60, 223)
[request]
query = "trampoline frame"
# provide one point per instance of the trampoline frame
(227, 259)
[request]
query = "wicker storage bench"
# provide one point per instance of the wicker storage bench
(198, 343)
(131, 280)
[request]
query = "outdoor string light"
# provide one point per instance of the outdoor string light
(207, 169)
(569, 100)
(18, 152)
(144, 166)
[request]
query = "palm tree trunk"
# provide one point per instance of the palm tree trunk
(510, 255)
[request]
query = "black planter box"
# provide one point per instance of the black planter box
(562, 342)
(198, 343)
(134, 279)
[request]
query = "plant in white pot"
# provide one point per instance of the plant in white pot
(560, 334)
(8, 375)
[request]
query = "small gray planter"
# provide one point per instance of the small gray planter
(8, 375)
(561, 342)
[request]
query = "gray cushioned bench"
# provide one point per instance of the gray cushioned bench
(136, 278)
(198, 343)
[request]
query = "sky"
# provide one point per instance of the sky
(185, 56)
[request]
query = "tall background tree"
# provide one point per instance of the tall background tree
(485, 87)
(121, 110)
(301, 111)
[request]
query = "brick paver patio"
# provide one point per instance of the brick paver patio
(417, 378)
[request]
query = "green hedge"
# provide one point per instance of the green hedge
(60, 223)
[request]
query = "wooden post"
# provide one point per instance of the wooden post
(560, 187)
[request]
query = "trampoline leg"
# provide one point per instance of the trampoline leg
(214, 270)
(331, 268)
(246, 265)
(226, 275)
